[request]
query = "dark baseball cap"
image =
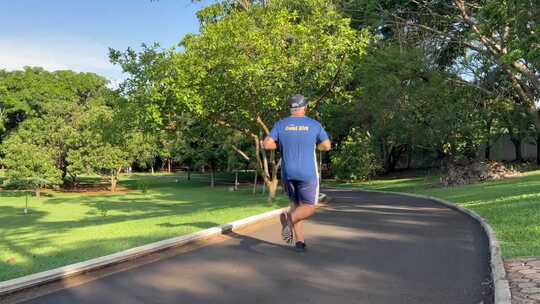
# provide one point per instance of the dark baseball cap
(297, 101)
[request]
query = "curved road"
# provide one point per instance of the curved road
(363, 248)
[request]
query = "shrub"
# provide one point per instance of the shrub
(143, 185)
(355, 158)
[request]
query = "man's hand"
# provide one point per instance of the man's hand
(325, 145)
(269, 144)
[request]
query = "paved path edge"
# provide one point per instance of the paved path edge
(40, 278)
(501, 286)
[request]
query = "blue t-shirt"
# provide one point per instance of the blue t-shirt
(297, 138)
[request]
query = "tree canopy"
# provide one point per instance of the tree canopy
(431, 82)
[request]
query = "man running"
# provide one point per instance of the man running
(297, 137)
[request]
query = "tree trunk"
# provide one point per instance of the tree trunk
(62, 164)
(113, 183)
(64, 172)
(487, 152)
(272, 188)
(152, 169)
(189, 173)
(538, 147)
(255, 183)
(517, 147)
(26, 203)
(267, 167)
(409, 157)
(392, 159)
(38, 193)
(212, 183)
(169, 161)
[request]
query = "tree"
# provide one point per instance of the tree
(355, 158)
(407, 103)
(200, 143)
(519, 125)
(106, 144)
(244, 66)
(53, 132)
(29, 166)
(148, 150)
(504, 33)
(56, 125)
(103, 159)
(33, 92)
(388, 77)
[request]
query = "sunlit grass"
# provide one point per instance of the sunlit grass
(63, 228)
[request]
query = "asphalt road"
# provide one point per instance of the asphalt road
(362, 248)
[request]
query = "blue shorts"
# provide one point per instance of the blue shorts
(302, 192)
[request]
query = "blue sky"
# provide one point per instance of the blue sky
(76, 34)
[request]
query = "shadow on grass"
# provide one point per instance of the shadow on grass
(22, 234)
(104, 211)
(15, 193)
(21, 193)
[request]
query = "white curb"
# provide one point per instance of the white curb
(40, 278)
(501, 286)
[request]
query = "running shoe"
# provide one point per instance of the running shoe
(286, 228)
(300, 247)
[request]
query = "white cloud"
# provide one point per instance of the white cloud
(58, 53)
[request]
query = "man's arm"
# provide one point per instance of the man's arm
(325, 145)
(269, 143)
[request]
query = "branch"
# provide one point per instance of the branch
(491, 45)
(493, 51)
(470, 84)
(332, 83)
(258, 157)
(228, 125)
(265, 163)
(523, 69)
(443, 34)
(523, 92)
(242, 153)
(263, 125)
(276, 168)
(504, 41)
(245, 4)
(496, 49)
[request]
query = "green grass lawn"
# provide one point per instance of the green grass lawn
(511, 206)
(66, 228)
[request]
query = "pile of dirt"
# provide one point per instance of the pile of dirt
(475, 172)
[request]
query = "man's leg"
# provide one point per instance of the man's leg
(302, 212)
(299, 232)
(287, 228)
(299, 214)
(308, 195)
